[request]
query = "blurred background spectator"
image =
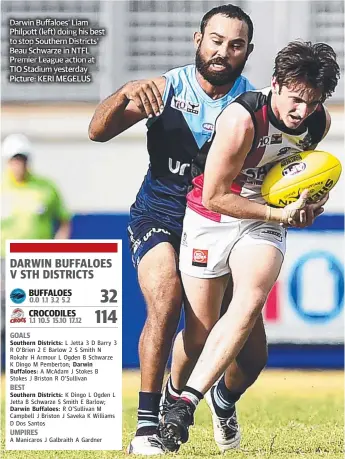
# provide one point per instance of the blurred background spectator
(304, 315)
(31, 206)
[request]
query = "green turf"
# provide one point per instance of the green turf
(285, 415)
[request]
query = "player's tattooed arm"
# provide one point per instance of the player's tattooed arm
(132, 103)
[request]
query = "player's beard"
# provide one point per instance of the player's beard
(218, 77)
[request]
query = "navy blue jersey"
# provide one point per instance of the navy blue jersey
(175, 141)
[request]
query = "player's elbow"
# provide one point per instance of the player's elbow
(96, 135)
(209, 201)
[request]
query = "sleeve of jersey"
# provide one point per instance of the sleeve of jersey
(241, 99)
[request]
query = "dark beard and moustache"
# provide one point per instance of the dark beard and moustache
(218, 77)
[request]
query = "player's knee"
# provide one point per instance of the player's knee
(194, 341)
(193, 349)
(250, 303)
(162, 292)
(163, 317)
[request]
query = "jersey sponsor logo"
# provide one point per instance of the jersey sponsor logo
(185, 106)
(256, 175)
(178, 168)
(200, 258)
(290, 159)
(208, 127)
(264, 141)
(294, 169)
(305, 143)
(207, 130)
(135, 243)
(153, 231)
(275, 234)
(276, 139)
(184, 240)
(288, 150)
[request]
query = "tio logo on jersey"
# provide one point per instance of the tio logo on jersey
(185, 106)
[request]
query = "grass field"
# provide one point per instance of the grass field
(285, 415)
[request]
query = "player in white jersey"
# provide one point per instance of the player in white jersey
(228, 228)
(181, 108)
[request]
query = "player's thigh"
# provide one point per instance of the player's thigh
(255, 268)
(227, 298)
(202, 301)
(205, 247)
(257, 256)
(204, 268)
(254, 352)
(158, 276)
(154, 251)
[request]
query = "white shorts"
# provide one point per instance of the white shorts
(206, 245)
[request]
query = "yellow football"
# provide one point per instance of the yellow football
(317, 171)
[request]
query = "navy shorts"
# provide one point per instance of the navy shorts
(144, 233)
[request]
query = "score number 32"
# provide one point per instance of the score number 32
(108, 296)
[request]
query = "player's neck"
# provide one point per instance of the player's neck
(274, 107)
(17, 179)
(215, 92)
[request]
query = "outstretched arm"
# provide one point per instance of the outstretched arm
(133, 102)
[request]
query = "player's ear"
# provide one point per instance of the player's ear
(274, 86)
(197, 39)
(250, 49)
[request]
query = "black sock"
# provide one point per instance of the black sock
(172, 394)
(223, 399)
(148, 413)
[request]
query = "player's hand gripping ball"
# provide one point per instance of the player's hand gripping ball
(316, 171)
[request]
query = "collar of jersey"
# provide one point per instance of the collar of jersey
(10, 179)
(279, 124)
(206, 97)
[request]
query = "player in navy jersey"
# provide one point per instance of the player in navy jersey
(181, 107)
(229, 228)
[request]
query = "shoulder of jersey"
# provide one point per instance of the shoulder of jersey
(254, 99)
(179, 75)
(247, 83)
(178, 70)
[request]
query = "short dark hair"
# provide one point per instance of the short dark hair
(230, 11)
(313, 64)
